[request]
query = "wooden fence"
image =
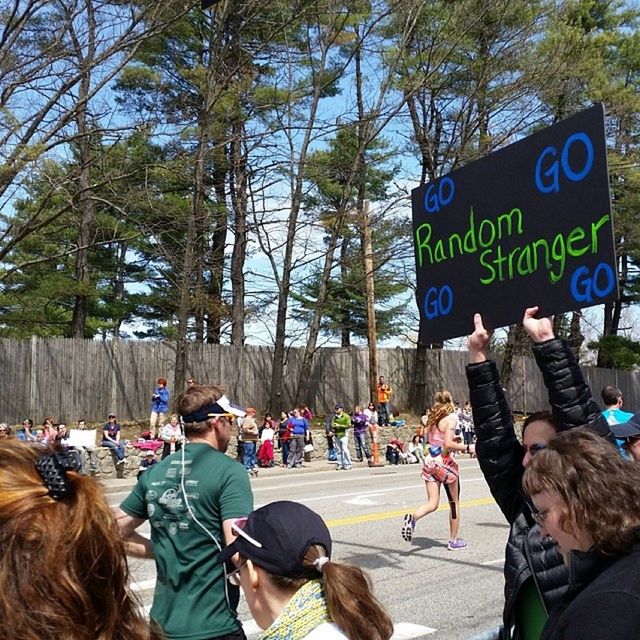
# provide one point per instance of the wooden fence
(71, 379)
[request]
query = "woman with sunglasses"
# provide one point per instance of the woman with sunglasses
(535, 576)
(585, 497)
(295, 591)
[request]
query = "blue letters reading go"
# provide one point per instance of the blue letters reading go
(438, 302)
(584, 287)
(548, 181)
(435, 199)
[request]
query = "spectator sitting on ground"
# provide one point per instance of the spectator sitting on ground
(111, 439)
(395, 420)
(586, 498)
(50, 431)
(63, 571)
(292, 586)
(5, 433)
(172, 436)
(395, 451)
(26, 433)
(147, 462)
(415, 450)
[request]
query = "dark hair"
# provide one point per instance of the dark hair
(610, 395)
(543, 416)
(352, 605)
(80, 586)
(599, 488)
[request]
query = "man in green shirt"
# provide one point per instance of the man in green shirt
(191, 500)
(340, 422)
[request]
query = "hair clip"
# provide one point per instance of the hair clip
(53, 467)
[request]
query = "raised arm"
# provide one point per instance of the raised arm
(498, 450)
(570, 397)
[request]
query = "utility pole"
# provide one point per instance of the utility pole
(367, 252)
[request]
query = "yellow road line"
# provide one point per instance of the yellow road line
(388, 515)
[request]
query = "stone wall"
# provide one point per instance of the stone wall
(108, 469)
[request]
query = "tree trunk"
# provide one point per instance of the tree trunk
(83, 202)
(239, 200)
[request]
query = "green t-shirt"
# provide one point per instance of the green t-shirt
(530, 614)
(189, 602)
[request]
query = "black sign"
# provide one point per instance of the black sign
(527, 225)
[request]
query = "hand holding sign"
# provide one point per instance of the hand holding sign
(538, 329)
(478, 341)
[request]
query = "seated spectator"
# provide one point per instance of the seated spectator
(395, 451)
(85, 446)
(293, 587)
(26, 432)
(62, 437)
(111, 439)
(63, 566)
(147, 462)
(586, 498)
(50, 431)
(415, 450)
(266, 456)
(4, 431)
(172, 436)
(395, 420)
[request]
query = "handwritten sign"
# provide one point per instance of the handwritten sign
(527, 225)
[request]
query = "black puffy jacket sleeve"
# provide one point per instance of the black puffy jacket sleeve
(570, 397)
(499, 452)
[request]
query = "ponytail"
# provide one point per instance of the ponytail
(352, 605)
(347, 589)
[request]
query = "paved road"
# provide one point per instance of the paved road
(429, 591)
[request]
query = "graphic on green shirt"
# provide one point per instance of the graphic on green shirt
(189, 601)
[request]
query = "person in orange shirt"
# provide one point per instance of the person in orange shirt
(384, 406)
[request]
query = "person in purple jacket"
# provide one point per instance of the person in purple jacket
(359, 423)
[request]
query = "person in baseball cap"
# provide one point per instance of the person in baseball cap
(629, 433)
(294, 589)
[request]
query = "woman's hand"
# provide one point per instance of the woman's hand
(538, 329)
(478, 341)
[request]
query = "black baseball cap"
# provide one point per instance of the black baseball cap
(629, 429)
(277, 536)
(339, 406)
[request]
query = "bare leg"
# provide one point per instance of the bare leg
(433, 500)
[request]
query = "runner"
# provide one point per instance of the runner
(439, 468)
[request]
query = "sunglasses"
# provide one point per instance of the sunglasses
(532, 449)
(238, 525)
(234, 576)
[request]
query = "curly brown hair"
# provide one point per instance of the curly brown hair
(598, 488)
(63, 569)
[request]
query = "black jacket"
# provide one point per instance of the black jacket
(602, 601)
(500, 454)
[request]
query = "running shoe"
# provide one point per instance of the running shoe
(408, 526)
(457, 544)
